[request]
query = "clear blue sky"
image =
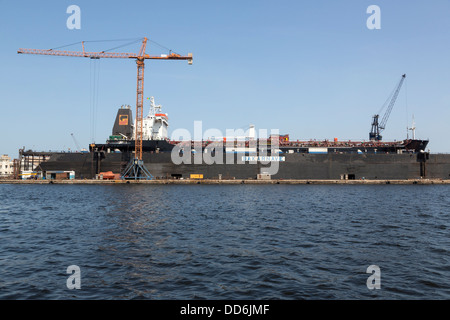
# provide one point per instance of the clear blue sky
(308, 68)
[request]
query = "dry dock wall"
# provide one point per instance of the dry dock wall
(232, 182)
(297, 166)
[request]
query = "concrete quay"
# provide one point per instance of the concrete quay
(232, 182)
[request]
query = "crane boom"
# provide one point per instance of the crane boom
(378, 127)
(76, 142)
(140, 58)
(98, 55)
(391, 104)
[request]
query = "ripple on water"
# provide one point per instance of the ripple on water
(224, 242)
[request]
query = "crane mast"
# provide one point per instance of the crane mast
(136, 168)
(378, 127)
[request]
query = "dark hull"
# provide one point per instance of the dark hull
(312, 159)
(294, 166)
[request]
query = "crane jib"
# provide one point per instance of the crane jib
(97, 55)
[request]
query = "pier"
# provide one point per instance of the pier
(232, 182)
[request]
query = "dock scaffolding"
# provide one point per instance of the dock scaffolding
(28, 161)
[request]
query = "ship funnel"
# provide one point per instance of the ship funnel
(122, 125)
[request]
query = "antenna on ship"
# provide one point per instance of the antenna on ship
(413, 128)
(154, 109)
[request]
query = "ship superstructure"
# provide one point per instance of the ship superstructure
(156, 123)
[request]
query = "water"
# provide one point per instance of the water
(224, 241)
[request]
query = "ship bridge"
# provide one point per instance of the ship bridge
(155, 124)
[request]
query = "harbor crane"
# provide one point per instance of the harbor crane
(136, 168)
(76, 142)
(378, 127)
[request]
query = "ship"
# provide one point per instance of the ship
(245, 157)
(150, 154)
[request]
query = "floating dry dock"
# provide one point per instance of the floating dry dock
(222, 159)
(234, 182)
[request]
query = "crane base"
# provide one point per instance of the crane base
(136, 170)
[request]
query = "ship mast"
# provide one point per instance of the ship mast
(413, 129)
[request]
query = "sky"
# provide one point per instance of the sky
(311, 69)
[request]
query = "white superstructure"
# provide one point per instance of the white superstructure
(155, 124)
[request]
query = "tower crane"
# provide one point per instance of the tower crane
(378, 127)
(136, 167)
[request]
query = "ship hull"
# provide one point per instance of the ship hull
(313, 160)
(292, 166)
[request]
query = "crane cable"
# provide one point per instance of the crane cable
(93, 96)
(132, 41)
(406, 103)
(95, 77)
(79, 42)
(387, 101)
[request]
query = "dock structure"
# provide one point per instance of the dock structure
(232, 182)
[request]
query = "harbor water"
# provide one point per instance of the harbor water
(225, 241)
